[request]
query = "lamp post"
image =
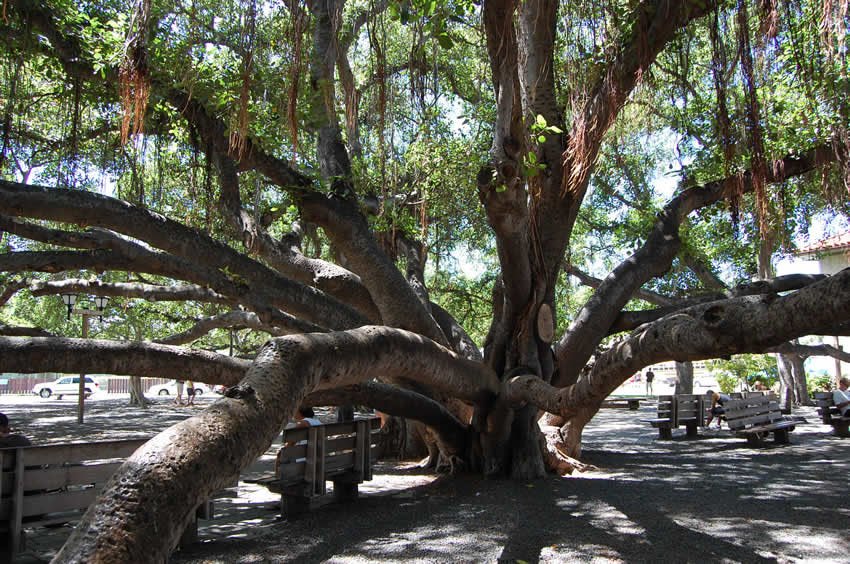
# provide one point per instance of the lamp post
(100, 301)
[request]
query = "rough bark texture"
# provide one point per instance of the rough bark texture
(143, 509)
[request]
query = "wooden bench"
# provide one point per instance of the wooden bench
(830, 415)
(339, 452)
(632, 404)
(54, 484)
(755, 416)
(677, 410)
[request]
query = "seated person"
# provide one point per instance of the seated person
(9, 439)
(717, 401)
(841, 397)
(304, 417)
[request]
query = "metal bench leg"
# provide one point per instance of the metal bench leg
(665, 433)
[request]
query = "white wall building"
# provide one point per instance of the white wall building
(826, 256)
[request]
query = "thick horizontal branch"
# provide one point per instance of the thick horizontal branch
(86, 208)
(163, 482)
(806, 351)
(230, 320)
(400, 402)
(132, 358)
(597, 316)
(14, 331)
(149, 292)
(750, 324)
(630, 320)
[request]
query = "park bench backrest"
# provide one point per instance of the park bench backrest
(826, 406)
(751, 411)
(326, 451)
(55, 483)
(689, 408)
(666, 408)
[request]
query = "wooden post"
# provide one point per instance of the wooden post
(81, 400)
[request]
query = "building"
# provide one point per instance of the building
(827, 256)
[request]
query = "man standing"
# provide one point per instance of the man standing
(650, 376)
(9, 439)
(841, 397)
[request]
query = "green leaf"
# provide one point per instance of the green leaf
(541, 121)
(445, 41)
(541, 138)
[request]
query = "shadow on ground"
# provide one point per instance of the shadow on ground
(708, 499)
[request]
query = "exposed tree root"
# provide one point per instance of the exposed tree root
(556, 454)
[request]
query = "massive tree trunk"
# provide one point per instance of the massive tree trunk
(144, 508)
(684, 378)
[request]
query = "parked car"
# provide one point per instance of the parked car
(66, 386)
(170, 389)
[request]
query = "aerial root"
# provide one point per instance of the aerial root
(557, 454)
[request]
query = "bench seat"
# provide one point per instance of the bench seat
(830, 415)
(338, 452)
(49, 485)
(755, 417)
(678, 410)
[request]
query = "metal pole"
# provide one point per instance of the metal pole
(81, 402)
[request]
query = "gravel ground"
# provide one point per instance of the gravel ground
(708, 499)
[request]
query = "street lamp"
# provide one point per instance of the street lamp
(69, 300)
(100, 301)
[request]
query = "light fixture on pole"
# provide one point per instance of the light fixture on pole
(100, 302)
(69, 300)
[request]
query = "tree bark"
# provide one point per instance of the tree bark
(141, 513)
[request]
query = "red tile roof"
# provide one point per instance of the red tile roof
(834, 243)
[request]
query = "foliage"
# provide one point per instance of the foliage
(744, 370)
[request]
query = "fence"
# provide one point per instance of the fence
(22, 384)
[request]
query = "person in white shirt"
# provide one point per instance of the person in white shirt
(841, 397)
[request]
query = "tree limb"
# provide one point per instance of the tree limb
(133, 358)
(138, 514)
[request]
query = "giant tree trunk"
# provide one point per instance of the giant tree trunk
(142, 511)
(684, 378)
(137, 396)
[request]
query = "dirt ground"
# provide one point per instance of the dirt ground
(708, 499)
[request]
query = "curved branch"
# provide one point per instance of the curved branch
(806, 351)
(231, 319)
(85, 208)
(149, 292)
(14, 331)
(140, 514)
(597, 316)
(750, 324)
(630, 320)
(132, 358)
(400, 402)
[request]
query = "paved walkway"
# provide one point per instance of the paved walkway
(708, 499)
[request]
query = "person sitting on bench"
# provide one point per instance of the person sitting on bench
(841, 397)
(304, 417)
(717, 401)
(8, 439)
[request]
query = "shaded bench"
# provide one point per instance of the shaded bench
(755, 417)
(338, 452)
(631, 403)
(41, 486)
(677, 410)
(830, 415)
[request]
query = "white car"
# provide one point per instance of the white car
(67, 386)
(170, 389)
